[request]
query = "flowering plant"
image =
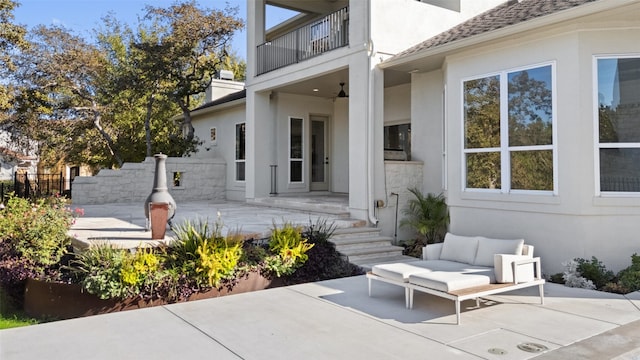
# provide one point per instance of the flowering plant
(33, 240)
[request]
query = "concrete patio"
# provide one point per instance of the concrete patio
(333, 319)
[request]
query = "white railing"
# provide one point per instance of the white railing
(326, 34)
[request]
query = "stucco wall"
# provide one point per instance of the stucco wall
(224, 147)
(403, 17)
(202, 179)
(397, 104)
(427, 128)
(400, 176)
(573, 222)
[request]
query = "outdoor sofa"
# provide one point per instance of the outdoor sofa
(465, 267)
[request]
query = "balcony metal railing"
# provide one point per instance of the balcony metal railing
(329, 33)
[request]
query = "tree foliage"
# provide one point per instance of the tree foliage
(12, 38)
(188, 49)
(114, 98)
(58, 102)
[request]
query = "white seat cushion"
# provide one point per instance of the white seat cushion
(460, 248)
(489, 247)
(398, 271)
(450, 281)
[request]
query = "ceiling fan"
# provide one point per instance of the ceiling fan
(342, 94)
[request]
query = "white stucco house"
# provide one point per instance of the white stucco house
(525, 114)
(16, 157)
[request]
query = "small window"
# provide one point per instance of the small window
(177, 179)
(397, 142)
(618, 124)
(240, 152)
(213, 135)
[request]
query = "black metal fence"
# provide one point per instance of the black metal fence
(38, 185)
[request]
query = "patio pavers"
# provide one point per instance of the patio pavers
(333, 319)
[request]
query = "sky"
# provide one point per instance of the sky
(81, 16)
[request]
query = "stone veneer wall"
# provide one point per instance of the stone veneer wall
(201, 179)
(399, 176)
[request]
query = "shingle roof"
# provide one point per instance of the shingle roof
(15, 155)
(225, 99)
(507, 14)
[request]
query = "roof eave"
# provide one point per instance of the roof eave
(219, 107)
(443, 50)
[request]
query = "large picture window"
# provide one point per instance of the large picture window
(296, 144)
(618, 124)
(240, 152)
(508, 131)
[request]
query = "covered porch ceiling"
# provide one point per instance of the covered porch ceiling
(328, 85)
(310, 6)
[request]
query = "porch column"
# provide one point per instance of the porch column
(260, 144)
(358, 135)
(255, 33)
(366, 136)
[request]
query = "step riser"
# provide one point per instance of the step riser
(367, 245)
(363, 245)
(367, 235)
(363, 258)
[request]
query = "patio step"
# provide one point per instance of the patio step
(365, 246)
(332, 205)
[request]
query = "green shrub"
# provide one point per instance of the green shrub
(289, 249)
(203, 254)
(217, 260)
(99, 271)
(37, 232)
(324, 261)
(110, 272)
(595, 271)
(428, 216)
(629, 278)
(557, 278)
(33, 243)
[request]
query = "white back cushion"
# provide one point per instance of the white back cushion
(489, 247)
(432, 251)
(460, 248)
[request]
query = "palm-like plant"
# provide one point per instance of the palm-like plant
(428, 216)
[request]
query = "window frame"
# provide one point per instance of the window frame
(237, 160)
(505, 150)
(290, 160)
(597, 145)
(398, 123)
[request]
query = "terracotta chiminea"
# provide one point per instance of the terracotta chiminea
(160, 193)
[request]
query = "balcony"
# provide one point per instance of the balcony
(326, 34)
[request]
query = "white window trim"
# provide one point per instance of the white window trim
(289, 158)
(504, 149)
(596, 130)
(235, 155)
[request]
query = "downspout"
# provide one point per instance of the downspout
(370, 120)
